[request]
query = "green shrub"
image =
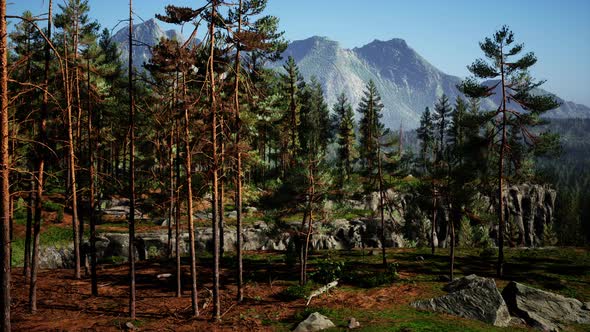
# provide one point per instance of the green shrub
(296, 292)
(374, 279)
(327, 271)
(488, 252)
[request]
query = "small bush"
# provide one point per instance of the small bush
(488, 253)
(374, 279)
(296, 292)
(327, 271)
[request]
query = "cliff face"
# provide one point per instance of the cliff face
(529, 211)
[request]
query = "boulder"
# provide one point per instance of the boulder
(315, 322)
(544, 310)
(471, 297)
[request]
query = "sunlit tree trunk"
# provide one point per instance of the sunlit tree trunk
(4, 174)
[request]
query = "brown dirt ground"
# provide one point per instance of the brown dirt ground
(65, 304)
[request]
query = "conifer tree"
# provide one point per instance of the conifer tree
(346, 138)
(425, 134)
(370, 126)
(293, 82)
(519, 106)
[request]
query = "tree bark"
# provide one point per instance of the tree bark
(28, 230)
(189, 203)
(131, 170)
(381, 203)
(239, 277)
(42, 132)
(4, 173)
(215, 165)
(500, 267)
(72, 166)
(93, 147)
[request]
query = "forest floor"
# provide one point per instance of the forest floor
(271, 302)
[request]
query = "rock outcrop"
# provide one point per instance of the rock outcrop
(470, 297)
(544, 310)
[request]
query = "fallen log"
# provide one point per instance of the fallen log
(321, 291)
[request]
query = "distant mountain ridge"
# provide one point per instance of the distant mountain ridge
(407, 82)
(145, 35)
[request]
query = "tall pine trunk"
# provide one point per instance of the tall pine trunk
(92, 148)
(4, 173)
(189, 203)
(503, 142)
(240, 296)
(72, 166)
(381, 203)
(215, 164)
(131, 170)
(42, 138)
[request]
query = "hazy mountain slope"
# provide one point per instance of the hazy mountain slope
(145, 35)
(406, 81)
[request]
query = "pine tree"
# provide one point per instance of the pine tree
(314, 128)
(293, 83)
(442, 121)
(516, 86)
(425, 134)
(370, 126)
(345, 138)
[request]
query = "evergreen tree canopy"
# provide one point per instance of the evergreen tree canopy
(370, 126)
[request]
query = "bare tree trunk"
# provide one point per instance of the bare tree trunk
(381, 204)
(78, 117)
(177, 215)
(221, 182)
(93, 147)
(189, 202)
(4, 173)
(72, 167)
(215, 165)
(452, 253)
(42, 124)
(171, 179)
(240, 281)
(131, 170)
(500, 267)
(28, 231)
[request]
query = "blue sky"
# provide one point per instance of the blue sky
(446, 33)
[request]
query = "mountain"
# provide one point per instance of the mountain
(145, 35)
(406, 81)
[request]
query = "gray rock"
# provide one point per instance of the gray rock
(474, 297)
(232, 214)
(315, 322)
(353, 323)
(544, 310)
(250, 209)
(469, 281)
